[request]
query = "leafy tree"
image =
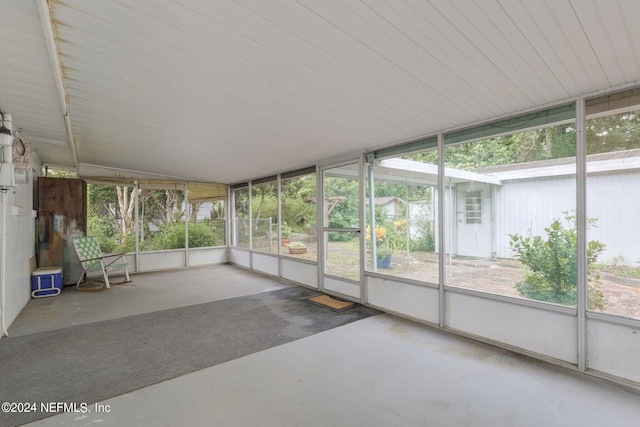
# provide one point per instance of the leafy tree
(159, 208)
(104, 232)
(345, 213)
(524, 146)
(299, 202)
(126, 206)
(241, 199)
(614, 132)
(425, 240)
(552, 267)
(265, 202)
(241, 212)
(110, 213)
(560, 142)
(163, 206)
(59, 173)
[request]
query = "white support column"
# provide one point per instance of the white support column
(136, 226)
(228, 221)
(279, 239)
(581, 227)
(232, 239)
(361, 234)
(441, 231)
(320, 226)
(250, 199)
(187, 217)
(372, 220)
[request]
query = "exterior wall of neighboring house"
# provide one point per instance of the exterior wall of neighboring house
(614, 201)
(528, 206)
(473, 219)
(419, 212)
(391, 206)
(204, 212)
(526, 198)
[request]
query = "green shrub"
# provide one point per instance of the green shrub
(172, 236)
(201, 235)
(396, 235)
(551, 264)
(127, 243)
(105, 233)
(285, 230)
(425, 240)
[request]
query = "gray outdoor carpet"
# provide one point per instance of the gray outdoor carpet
(93, 362)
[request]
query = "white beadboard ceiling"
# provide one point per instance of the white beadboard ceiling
(228, 90)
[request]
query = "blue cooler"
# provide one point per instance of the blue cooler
(46, 282)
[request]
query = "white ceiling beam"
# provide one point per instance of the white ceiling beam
(50, 38)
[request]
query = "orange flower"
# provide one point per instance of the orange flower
(381, 232)
(400, 224)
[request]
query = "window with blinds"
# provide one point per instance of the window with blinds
(473, 207)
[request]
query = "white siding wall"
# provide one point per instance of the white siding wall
(20, 244)
(526, 207)
(613, 199)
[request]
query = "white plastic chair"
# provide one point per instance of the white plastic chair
(92, 259)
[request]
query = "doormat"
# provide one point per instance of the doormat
(332, 303)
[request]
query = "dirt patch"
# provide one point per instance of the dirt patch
(497, 276)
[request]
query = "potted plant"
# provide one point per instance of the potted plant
(383, 250)
(297, 248)
(285, 234)
(383, 256)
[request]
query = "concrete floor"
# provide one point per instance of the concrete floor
(147, 292)
(381, 371)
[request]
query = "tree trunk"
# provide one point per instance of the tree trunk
(126, 205)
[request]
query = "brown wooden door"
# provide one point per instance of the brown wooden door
(62, 216)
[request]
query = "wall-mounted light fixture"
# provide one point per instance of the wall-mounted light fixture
(6, 138)
(7, 176)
